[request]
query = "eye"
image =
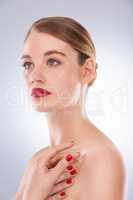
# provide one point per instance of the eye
(26, 65)
(53, 62)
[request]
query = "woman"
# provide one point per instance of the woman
(59, 61)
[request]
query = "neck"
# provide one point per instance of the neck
(66, 125)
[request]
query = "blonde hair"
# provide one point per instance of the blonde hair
(70, 31)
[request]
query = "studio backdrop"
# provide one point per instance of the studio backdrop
(109, 102)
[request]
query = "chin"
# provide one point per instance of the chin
(42, 108)
(47, 107)
(40, 105)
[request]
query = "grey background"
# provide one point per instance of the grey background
(22, 130)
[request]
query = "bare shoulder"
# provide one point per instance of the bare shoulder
(101, 173)
(107, 160)
(102, 153)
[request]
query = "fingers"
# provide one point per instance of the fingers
(53, 162)
(71, 171)
(59, 191)
(63, 176)
(43, 157)
(39, 153)
(55, 150)
(62, 185)
(59, 196)
(63, 164)
(46, 150)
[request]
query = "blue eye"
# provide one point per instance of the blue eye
(53, 62)
(26, 65)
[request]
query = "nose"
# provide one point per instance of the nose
(36, 76)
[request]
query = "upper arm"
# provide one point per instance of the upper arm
(102, 177)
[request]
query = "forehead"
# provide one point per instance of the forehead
(41, 42)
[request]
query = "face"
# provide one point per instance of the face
(51, 64)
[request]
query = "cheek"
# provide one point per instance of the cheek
(66, 82)
(26, 79)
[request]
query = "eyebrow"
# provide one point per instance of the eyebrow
(45, 54)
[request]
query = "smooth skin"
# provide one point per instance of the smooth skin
(41, 181)
(101, 170)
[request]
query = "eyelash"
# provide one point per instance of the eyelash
(25, 63)
(51, 59)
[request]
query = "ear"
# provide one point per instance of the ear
(88, 72)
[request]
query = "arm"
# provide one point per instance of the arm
(102, 176)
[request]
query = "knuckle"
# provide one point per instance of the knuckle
(55, 149)
(51, 150)
(35, 163)
(64, 176)
(53, 197)
(63, 163)
(40, 152)
(59, 188)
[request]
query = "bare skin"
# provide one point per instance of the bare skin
(42, 182)
(101, 172)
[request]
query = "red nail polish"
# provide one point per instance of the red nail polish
(70, 167)
(73, 172)
(62, 193)
(69, 181)
(69, 157)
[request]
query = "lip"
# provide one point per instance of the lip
(39, 92)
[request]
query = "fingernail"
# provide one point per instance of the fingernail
(62, 193)
(73, 172)
(69, 157)
(69, 181)
(69, 167)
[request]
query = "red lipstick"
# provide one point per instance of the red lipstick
(39, 92)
